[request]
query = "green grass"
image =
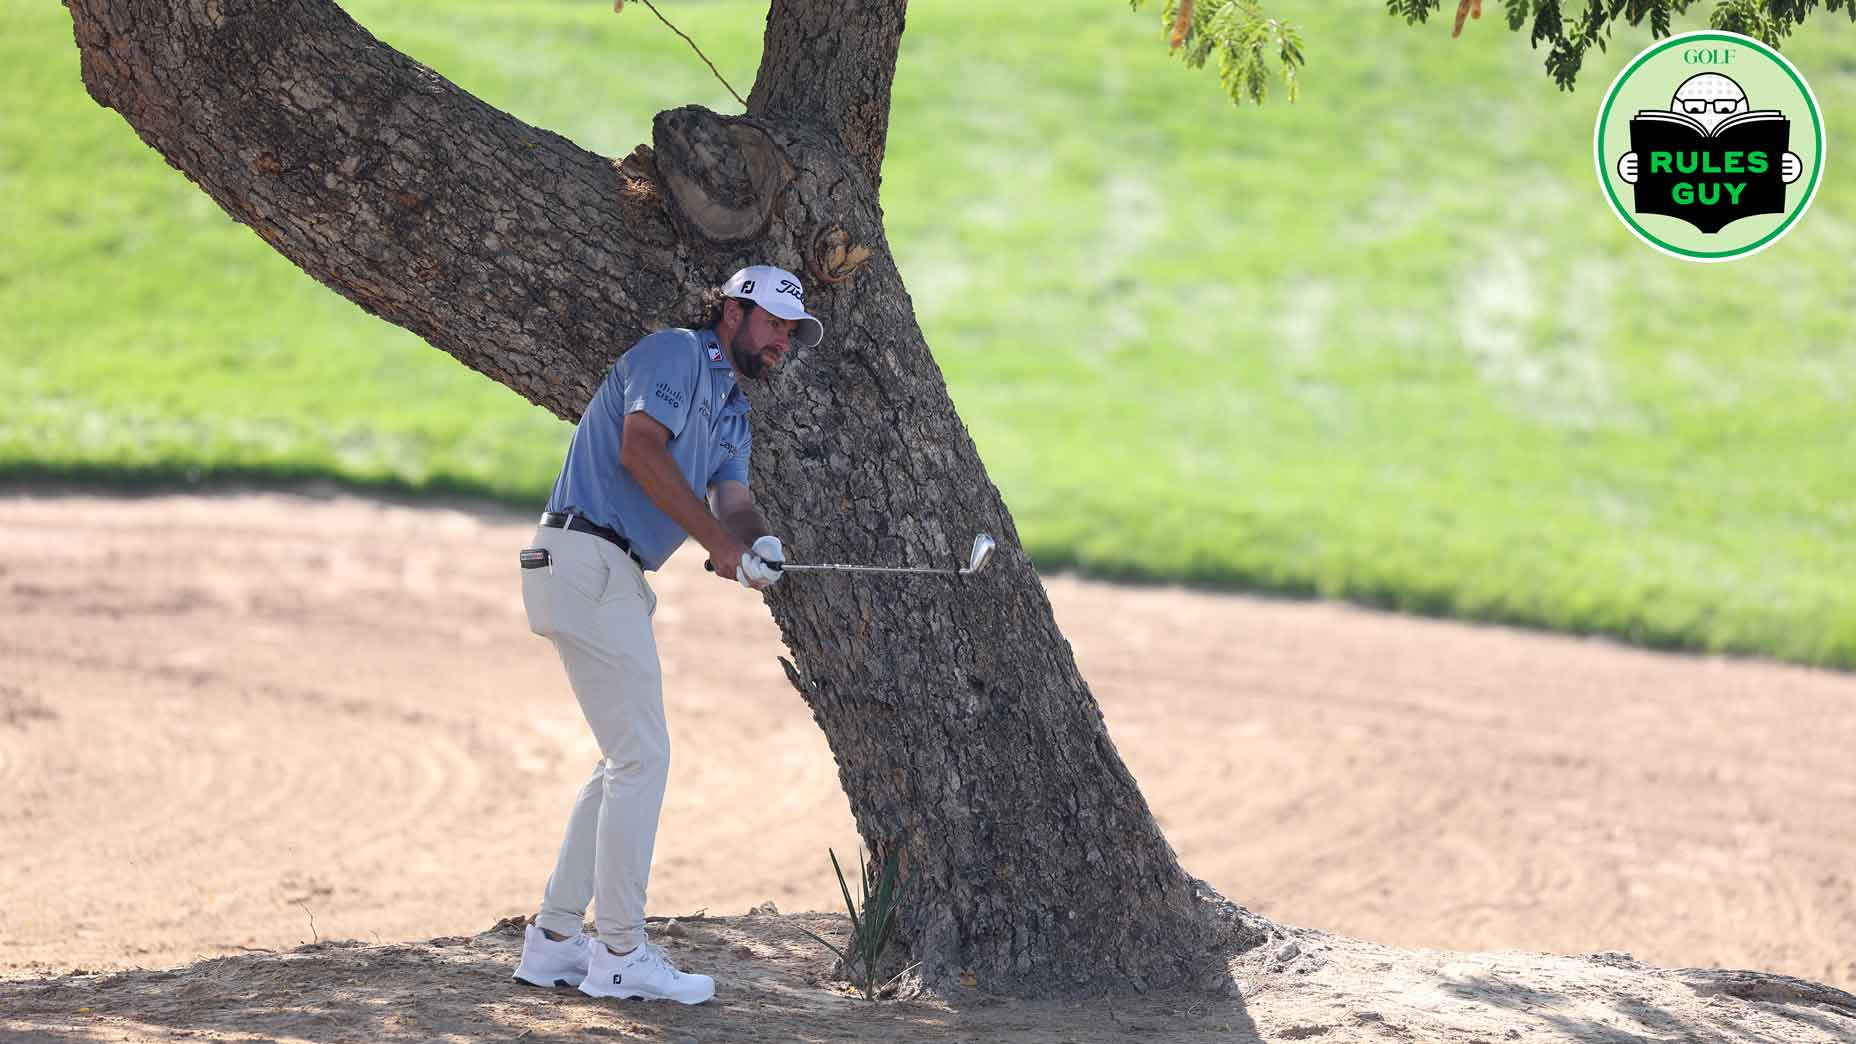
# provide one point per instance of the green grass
(1387, 344)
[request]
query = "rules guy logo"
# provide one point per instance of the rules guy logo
(1688, 162)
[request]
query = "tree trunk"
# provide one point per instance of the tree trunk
(963, 732)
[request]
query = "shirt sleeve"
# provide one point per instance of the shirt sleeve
(735, 445)
(659, 375)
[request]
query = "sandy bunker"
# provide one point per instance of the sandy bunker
(223, 716)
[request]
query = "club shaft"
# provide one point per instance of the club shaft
(870, 569)
(823, 567)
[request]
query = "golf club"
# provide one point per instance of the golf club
(982, 552)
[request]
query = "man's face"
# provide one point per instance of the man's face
(760, 342)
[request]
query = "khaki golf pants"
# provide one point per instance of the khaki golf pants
(594, 605)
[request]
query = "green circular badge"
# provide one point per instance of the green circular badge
(1709, 145)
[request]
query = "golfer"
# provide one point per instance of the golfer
(668, 425)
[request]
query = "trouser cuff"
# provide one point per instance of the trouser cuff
(560, 924)
(622, 942)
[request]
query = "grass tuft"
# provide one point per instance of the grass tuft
(873, 922)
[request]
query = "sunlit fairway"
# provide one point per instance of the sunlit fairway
(1387, 344)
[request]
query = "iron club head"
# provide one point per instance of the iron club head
(982, 551)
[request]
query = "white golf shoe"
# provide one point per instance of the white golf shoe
(645, 973)
(546, 962)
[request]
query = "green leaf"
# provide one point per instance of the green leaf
(1249, 45)
(849, 905)
(834, 950)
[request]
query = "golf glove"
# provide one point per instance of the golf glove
(768, 549)
(755, 573)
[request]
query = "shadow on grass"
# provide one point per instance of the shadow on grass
(1437, 603)
(442, 490)
(470, 496)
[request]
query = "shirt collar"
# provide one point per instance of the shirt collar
(720, 366)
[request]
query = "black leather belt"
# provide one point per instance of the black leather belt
(582, 524)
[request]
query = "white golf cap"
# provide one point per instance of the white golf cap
(779, 292)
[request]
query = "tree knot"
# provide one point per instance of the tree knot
(834, 258)
(723, 175)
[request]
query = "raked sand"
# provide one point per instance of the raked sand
(238, 721)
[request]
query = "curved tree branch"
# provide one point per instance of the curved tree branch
(511, 248)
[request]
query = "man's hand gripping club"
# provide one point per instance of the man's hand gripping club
(760, 567)
(724, 532)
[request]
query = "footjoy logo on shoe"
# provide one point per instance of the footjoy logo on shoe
(1709, 146)
(618, 980)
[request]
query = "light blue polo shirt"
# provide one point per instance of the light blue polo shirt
(681, 379)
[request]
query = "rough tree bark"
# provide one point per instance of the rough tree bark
(963, 731)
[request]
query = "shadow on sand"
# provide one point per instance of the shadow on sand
(770, 979)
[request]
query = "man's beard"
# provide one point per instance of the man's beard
(747, 364)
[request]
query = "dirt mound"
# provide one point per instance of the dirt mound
(773, 986)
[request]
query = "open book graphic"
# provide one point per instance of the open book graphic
(1710, 180)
